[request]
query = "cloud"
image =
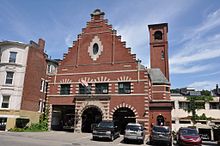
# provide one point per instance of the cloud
(187, 69)
(69, 40)
(198, 49)
(206, 85)
(211, 21)
(134, 29)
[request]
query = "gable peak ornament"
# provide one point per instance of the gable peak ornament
(95, 48)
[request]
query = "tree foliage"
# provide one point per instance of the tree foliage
(196, 103)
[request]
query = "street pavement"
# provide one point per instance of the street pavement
(55, 138)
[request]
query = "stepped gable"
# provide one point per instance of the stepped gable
(110, 49)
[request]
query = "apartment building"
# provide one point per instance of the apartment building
(22, 82)
(211, 109)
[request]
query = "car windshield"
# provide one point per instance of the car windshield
(189, 132)
(106, 124)
(161, 129)
(134, 127)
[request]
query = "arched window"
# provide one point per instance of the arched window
(160, 120)
(158, 35)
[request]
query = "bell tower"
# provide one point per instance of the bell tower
(159, 47)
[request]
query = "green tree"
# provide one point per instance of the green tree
(196, 103)
(206, 93)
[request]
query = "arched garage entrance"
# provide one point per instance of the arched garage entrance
(90, 116)
(123, 116)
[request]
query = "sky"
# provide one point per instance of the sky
(193, 33)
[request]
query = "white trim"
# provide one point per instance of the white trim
(72, 95)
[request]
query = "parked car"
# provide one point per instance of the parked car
(106, 129)
(188, 137)
(134, 132)
(161, 134)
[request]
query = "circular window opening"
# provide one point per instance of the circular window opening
(95, 48)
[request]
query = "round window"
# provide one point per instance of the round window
(95, 48)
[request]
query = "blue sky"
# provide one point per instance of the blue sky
(194, 30)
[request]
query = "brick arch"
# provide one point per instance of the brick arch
(124, 105)
(85, 106)
(65, 80)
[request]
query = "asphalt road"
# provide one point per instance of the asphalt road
(55, 139)
(60, 139)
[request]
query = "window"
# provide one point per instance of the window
(173, 122)
(217, 123)
(200, 105)
(162, 55)
(158, 35)
(101, 88)
(12, 57)
(85, 89)
(214, 105)
(42, 85)
(124, 88)
(173, 105)
(51, 68)
(65, 89)
(185, 122)
(41, 106)
(3, 122)
(9, 77)
(5, 102)
(183, 105)
(95, 48)
(201, 122)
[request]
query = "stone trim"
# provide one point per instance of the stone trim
(126, 106)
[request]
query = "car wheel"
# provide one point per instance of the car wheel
(125, 140)
(169, 144)
(142, 141)
(93, 138)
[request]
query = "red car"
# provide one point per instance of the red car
(188, 137)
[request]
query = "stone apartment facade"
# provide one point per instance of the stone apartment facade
(181, 118)
(100, 79)
(22, 72)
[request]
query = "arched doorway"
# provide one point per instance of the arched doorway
(90, 117)
(123, 116)
(160, 120)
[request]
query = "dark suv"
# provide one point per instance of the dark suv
(161, 134)
(106, 129)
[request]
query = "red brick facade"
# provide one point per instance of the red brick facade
(113, 64)
(159, 48)
(160, 105)
(35, 73)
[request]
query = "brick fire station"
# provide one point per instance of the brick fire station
(99, 79)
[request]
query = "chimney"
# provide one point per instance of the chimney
(217, 90)
(41, 43)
